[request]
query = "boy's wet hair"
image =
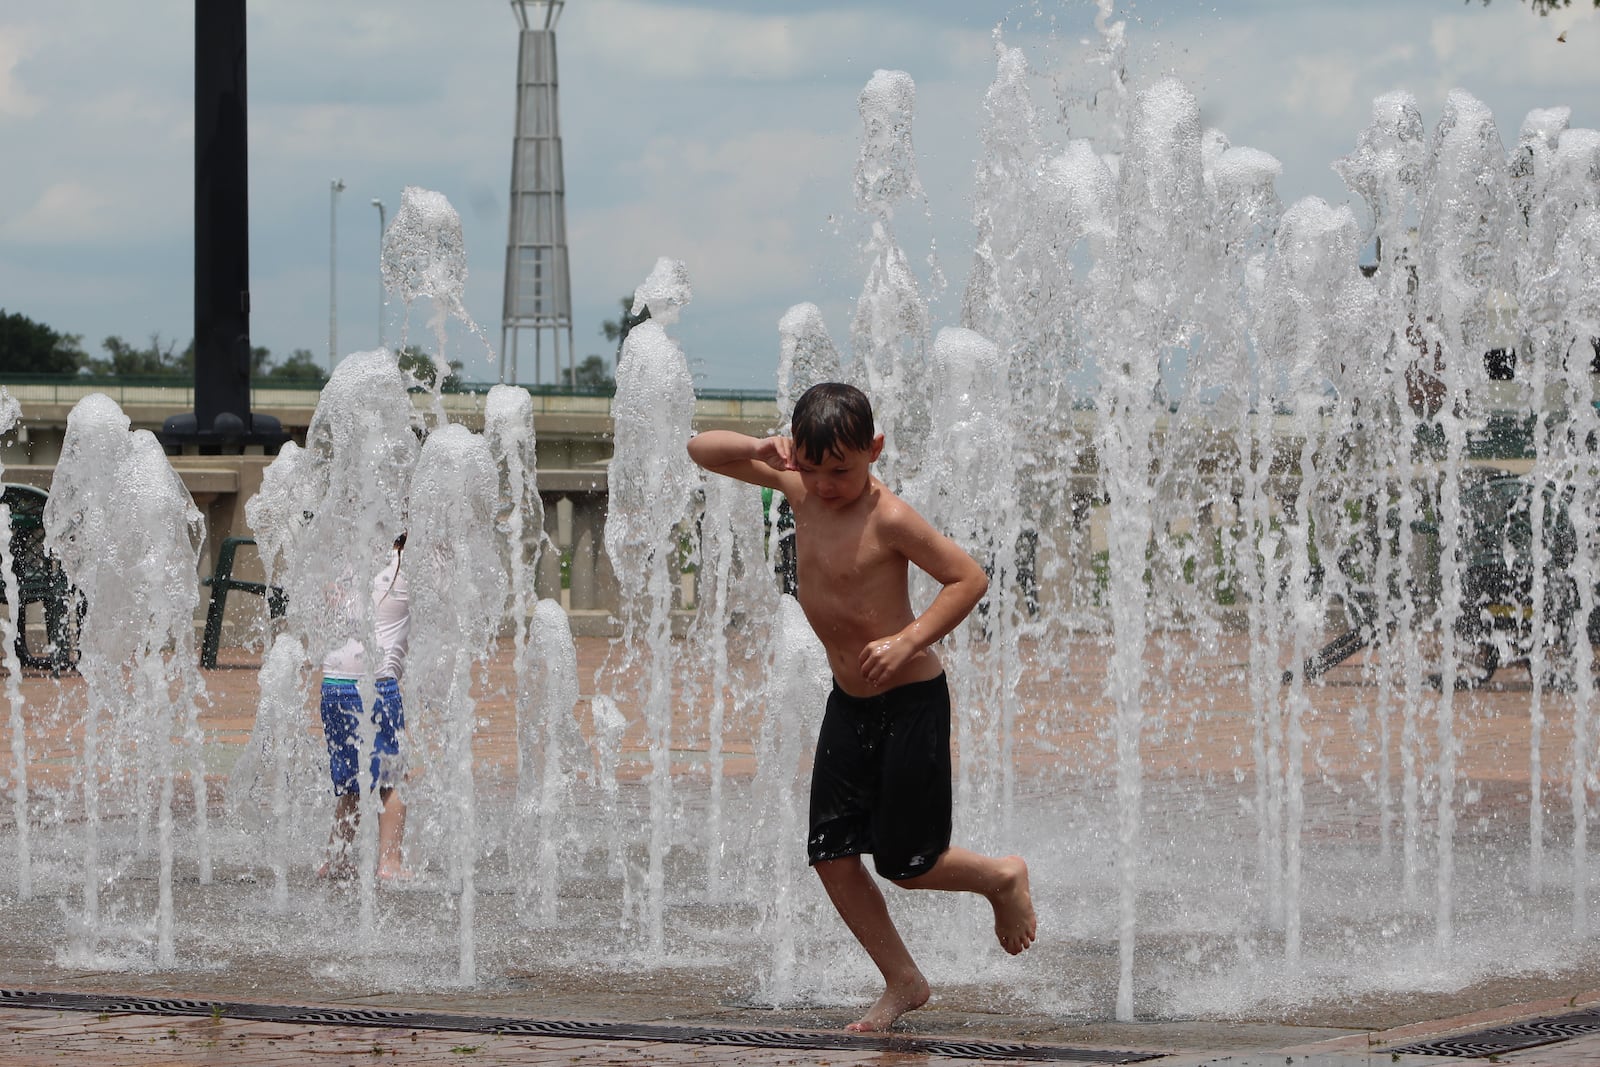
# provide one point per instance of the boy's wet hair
(831, 418)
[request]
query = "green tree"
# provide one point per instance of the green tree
(419, 364)
(154, 358)
(301, 366)
(260, 360)
(591, 375)
(28, 347)
(617, 329)
(1544, 7)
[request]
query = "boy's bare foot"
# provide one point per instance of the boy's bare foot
(1014, 921)
(895, 1002)
(336, 870)
(396, 875)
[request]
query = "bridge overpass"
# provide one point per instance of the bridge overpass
(574, 434)
(574, 446)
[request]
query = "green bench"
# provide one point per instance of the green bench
(38, 579)
(222, 582)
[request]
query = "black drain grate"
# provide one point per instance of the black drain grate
(492, 1024)
(1508, 1038)
(346, 1016)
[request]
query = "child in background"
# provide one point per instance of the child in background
(341, 719)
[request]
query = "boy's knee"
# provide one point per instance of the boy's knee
(838, 869)
(918, 880)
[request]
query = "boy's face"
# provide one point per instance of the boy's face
(839, 478)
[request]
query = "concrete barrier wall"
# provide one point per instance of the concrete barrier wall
(574, 444)
(574, 449)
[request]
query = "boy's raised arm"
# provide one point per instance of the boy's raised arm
(759, 460)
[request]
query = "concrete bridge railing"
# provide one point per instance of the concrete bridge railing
(574, 435)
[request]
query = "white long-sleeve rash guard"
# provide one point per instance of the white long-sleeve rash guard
(391, 610)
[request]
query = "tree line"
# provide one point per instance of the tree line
(29, 347)
(1544, 7)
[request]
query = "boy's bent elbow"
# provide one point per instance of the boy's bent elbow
(978, 580)
(701, 453)
(714, 449)
(967, 592)
(979, 586)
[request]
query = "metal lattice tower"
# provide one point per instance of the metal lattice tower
(538, 297)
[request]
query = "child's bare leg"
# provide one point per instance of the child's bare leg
(1003, 882)
(391, 832)
(346, 810)
(861, 905)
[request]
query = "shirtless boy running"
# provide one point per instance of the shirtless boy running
(881, 782)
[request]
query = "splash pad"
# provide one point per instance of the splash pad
(1192, 438)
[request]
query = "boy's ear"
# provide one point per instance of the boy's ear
(877, 447)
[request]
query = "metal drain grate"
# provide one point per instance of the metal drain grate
(492, 1024)
(551, 1028)
(1508, 1038)
(344, 1017)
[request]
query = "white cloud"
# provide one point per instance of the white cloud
(684, 43)
(1322, 85)
(719, 132)
(1516, 46)
(113, 167)
(312, 129)
(1297, 79)
(69, 211)
(127, 111)
(15, 100)
(728, 209)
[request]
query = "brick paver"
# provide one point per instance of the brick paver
(37, 1038)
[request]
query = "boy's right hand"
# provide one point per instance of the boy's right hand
(777, 453)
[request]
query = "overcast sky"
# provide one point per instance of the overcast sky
(721, 133)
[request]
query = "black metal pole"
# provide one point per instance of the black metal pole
(221, 215)
(221, 420)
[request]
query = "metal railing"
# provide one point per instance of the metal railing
(177, 392)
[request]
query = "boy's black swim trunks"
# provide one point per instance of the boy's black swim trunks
(881, 780)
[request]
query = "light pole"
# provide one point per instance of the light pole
(379, 205)
(335, 187)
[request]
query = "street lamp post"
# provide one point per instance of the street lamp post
(335, 187)
(379, 205)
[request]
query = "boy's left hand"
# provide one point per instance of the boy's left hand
(882, 659)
